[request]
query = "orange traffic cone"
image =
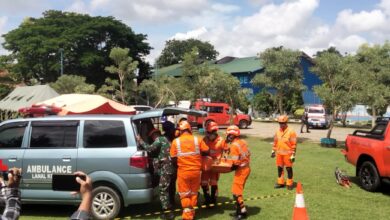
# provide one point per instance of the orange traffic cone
(299, 212)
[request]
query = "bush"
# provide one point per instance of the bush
(298, 113)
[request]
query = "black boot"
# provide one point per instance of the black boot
(214, 193)
(207, 199)
(240, 210)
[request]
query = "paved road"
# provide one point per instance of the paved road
(267, 130)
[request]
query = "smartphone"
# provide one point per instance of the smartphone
(5, 175)
(66, 182)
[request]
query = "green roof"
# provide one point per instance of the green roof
(226, 64)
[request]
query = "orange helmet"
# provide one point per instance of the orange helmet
(233, 130)
(211, 126)
(184, 125)
(154, 130)
(283, 119)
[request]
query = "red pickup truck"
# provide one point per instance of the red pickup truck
(220, 113)
(369, 151)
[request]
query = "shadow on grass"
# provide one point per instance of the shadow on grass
(149, 211)
(384, 188)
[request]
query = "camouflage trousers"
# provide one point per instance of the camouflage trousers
(165, 181)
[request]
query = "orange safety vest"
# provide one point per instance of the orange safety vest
(239, 153)
(214, 146)
(187, 150)
(285, 141)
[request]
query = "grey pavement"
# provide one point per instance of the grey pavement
(267, 130)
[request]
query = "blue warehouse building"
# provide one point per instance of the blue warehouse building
(246, 68)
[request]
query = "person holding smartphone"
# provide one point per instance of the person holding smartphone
(10, 194)
(84, 210)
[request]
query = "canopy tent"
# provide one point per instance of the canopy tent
(26, 96)
(85, 104)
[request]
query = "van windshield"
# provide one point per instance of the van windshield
(317, 111)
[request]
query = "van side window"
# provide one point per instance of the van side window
(11, 135)
(53, 134)
(104, 134)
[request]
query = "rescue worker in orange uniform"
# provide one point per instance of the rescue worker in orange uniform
(285, 143)
(186, 151)
(239, 157)
(209, 178)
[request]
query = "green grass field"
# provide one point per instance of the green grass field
(314, 168)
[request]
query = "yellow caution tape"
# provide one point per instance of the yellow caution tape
(206, 206)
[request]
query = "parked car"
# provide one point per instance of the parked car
(369, 151)
(103, 146)
(220, 113)
(317, 116)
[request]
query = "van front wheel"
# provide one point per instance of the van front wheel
(106, 203)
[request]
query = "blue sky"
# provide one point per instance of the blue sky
(235, 28)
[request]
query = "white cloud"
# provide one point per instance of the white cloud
(385, 6)
(225, 8)
(348, 44)
(278, 19)
(190, 34)
(259, 2)
(293, 24)
(362, 21)
(78, 6)
(150, 11)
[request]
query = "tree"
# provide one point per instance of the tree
(110, 89)
(175, 50)
(282, 72)
(67, 84)
(124, 67)
(86, 42)
(341, 81)
(161, 89)
(264, 102)
(198, 80)
(375, 70)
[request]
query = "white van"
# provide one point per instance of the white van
(317, 116)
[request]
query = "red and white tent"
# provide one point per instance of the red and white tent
(79, 104)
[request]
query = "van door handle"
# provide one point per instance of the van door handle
(12, 159)
(66, 158)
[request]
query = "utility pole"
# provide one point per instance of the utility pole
(62, 60)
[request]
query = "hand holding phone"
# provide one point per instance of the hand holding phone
(12, 176)
(67, 182)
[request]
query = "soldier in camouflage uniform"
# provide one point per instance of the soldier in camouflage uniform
(162, 165)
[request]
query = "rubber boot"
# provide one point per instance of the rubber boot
(240, 210)
(207, 199)
(290, 182)
(214, 193)
(280, 183)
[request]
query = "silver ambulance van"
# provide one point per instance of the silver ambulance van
(103, 146)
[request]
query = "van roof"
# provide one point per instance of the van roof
(70, 117)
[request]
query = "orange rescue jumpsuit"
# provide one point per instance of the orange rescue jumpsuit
(239, 155)
(285, 143)
(188, 152)
(209, 177)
